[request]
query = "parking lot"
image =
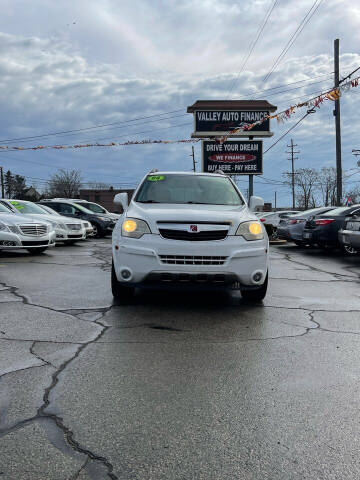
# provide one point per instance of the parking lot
(180, 385)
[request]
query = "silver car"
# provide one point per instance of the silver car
(19, 231)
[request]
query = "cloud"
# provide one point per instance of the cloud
(124, 60)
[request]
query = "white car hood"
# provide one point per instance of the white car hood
(189, 213)
(17, 219)
(52, 218)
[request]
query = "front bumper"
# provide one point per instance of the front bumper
(350, 237)
(143, 258)
(282, 232)
(14, 241)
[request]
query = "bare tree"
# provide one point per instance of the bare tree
(98, 185)
(306, 179)
(65, 183)
(327, 180)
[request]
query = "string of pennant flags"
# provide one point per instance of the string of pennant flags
(315, 102)
(281, 117)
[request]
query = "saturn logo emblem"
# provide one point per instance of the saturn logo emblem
(193, 228)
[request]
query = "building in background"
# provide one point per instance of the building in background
(104, 197)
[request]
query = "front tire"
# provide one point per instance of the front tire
(256, 295)
(37, 250)
(123, 294)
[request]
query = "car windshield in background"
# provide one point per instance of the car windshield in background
(93, 207)
(197, 189)
(337, 211)
(24, 207)
(309, 212)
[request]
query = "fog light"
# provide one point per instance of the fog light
(125, 273)
(257, 276)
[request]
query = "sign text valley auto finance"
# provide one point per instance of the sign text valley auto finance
(215, 121)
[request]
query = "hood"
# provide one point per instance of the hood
(14, 219)
(53, 218)
(170, 213)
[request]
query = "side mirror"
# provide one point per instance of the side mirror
(255, 202)
(122, 199)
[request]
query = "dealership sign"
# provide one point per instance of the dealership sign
(214, 122)
(237, 157)
(219, 118)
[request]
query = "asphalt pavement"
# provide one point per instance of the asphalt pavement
(178, 386)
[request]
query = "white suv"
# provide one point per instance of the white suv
(189, 229)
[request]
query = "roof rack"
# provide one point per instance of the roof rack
(153, 170)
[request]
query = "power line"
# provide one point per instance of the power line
(88, 128)
(252, 45)
(292, 128)
(294, 37)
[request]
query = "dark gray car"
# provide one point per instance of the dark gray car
(349, 236)
(291, 229)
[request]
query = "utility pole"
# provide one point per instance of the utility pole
(251, 186)
(292, 152)
(193, 157)
(2, 182)
(337, 127)
(275, 200)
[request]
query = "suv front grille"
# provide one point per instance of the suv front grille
(192, 260)
(193, 237)
(33, 230)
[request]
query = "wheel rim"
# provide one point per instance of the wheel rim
(95, 230)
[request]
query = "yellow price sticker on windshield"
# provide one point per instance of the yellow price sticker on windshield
(17, 205)
(156, 178)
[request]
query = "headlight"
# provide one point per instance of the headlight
(104, 219)
(62, 226)
(250, 230)
(134, 228)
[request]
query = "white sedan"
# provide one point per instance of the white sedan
(20, 232)
(67, 230)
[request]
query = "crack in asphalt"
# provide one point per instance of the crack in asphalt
(67, 432)
(32, 351)
(287, 256)
(23, 369)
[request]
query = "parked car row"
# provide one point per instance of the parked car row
(326, 227)
(38, 226)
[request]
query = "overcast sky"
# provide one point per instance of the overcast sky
(76, 64)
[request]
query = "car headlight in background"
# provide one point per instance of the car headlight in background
(250, 230)
(104, 219)
(134, 228)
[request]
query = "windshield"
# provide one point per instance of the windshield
(94, 207)
(24, 207)
(49, 210)
(310, 211)
(198, 189)
(338, 211)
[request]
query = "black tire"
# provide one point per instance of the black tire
(123, 294)
(256, 295)
(349, 250)
(37, 250)
(98, 231)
